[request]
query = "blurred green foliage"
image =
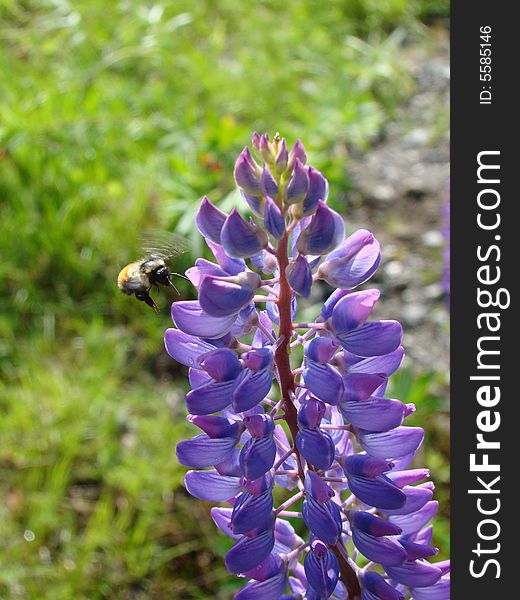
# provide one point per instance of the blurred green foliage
(115, 118)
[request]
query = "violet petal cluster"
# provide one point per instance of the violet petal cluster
(301, 407)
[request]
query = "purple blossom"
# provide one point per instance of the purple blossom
(323, 430)
(321, 569)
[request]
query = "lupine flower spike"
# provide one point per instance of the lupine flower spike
(300, 406)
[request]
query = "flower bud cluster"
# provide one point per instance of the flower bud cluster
(323, 429)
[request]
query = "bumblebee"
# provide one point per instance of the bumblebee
(140, 276)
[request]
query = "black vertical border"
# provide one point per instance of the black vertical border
(476, 128)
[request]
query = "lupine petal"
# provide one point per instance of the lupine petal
(258, 359)
(416, 551)
(211, 485)
(324, 232)
(268, 183)
(297, 152)
(417, 573)
(247, 173)
(318, 190)
(324, 381)
(311, 412)
(221, 297)
(378, 491)
(299, 276)
(216, 426)
(316, 447)
(285, 534)
(273, 313)
(379, 589)
(416, 498)
(232, 266)
(210, 397)
(353, 263)
(384, 550)
(209, 220)
(268, 568)
(197, 377)
(298, 184)
(374, 414)
(224, 341)
(317, 488)
(321, 569)
(231, 466)
(245, 321)
(363, 465)
(321, 349)
(371, 524)
(392, 444)
(203, 451)
(202, 268)
(249, 552)
(222, 519)
(241, 239)
(185, 349)
(330, 303)
(255, 203)
(425, 536)
(252, 512)
(440, 590)
(273, 219)
(270, 589)
(189, 317)
(417, 520)
(373, 339)
(353, 310)
(444, 566)
(267, 151)
(259, 486)
(402, 478)
(324, 520)
(252, 387)
(282, 157)
(257, 457)
(403, 462)
(360, 386)
(259, 425)
(221, 364)
(386, 363)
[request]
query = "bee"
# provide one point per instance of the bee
(140, 276)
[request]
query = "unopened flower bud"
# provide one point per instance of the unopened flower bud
(240, 238)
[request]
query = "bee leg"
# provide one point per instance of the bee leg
(145, 297)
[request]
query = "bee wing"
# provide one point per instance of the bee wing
(163, 244)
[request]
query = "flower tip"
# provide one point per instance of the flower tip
(409, 409)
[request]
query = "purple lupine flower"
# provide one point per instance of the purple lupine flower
(367, 481)
(375, 587)
(321, 569)
(320, 513)
(258, 453)
(268, 580)
(355, 261)
(315, 445)
(374, 538)
(323, 431)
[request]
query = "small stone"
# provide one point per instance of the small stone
(383, 193)
(413, 314)
(432, 239)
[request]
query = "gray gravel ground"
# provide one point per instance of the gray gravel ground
(401, 190)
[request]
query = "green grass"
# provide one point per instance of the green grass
(114, 118)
